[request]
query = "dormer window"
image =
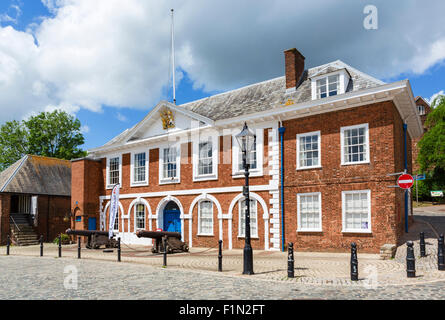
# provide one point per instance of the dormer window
(329, 84)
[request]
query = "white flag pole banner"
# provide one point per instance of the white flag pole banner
(114, 209)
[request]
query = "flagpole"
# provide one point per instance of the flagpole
(173, 58)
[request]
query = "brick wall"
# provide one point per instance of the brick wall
(87, 184)
(5, 205)
(386, 144)
(52, 211)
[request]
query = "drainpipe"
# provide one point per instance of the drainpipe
(281, 131)
(405, 126)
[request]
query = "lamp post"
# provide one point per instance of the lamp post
(246, 141)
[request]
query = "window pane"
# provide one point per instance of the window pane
(114, 171)
(139, 167)
(356, 211)
(253, 218)
(309, 211)
(169, 163)
(354, 145)
(140, 216)
(308, 152)
(205, 162)
(206, 217)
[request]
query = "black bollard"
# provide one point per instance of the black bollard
(119, 249)
(78, 247)
(440, 257)
(290, 261)
(354, 262)
(41, 245)
(60, 245)
(220, 256)
(164, 244)
(410, 260)
(8, 244)
(422, 245)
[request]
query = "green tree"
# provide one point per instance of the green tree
(13, 143)
(431, 156)
(53, 134)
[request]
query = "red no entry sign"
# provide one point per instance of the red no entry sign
(405, 181)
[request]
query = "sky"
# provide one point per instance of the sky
(108, 61)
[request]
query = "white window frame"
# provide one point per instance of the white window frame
(299, 228)
(342, 144)
(253, 236)
(421, 110)
(318, 133)
(110, 186)
(236, 173)
(132, 177)
(136, 219)
(199, 218)
(342, 84)
(343, 204)
(215, 153)
(177, 179)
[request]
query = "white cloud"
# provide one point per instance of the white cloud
(434, 97)
(93, 53)
(85, 129)
(121, 117)
(12, 15)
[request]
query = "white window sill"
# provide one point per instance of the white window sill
(239, 175)
(251, 237)
(353, 163)
(139, 184)
(309, 230)
(109, 187)
(357, 231)
(205, 177)
(205, 235)
(309, 168)
(169, 181)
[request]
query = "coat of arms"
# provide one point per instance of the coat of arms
(168, 120)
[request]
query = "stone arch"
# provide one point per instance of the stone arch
(265, 216)
(205, 196)
(160, 214)
(136, 201)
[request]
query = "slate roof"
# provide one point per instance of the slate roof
(264, 95)
(37, 175)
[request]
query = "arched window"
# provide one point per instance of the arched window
(139, 212)
(205, 217)
(253, 218)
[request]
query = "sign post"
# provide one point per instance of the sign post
(114, 209)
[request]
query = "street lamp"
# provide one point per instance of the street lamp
(246, 140)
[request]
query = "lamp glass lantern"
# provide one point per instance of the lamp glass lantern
(246, 140)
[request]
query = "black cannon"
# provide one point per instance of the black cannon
(174, 243)
(96, 238)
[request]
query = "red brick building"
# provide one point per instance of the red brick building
(327, 138)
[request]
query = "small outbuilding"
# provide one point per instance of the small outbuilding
(35, 197)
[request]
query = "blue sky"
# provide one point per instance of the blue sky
(108, 64)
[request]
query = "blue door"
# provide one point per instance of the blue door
(91, 223)
(172, 221)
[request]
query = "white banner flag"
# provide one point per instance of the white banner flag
(114, 209)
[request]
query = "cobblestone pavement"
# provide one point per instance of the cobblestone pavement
(44, 278)
(316, 274)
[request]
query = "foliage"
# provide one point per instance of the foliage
(52, 134)
(65, 239)
(432, 151)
